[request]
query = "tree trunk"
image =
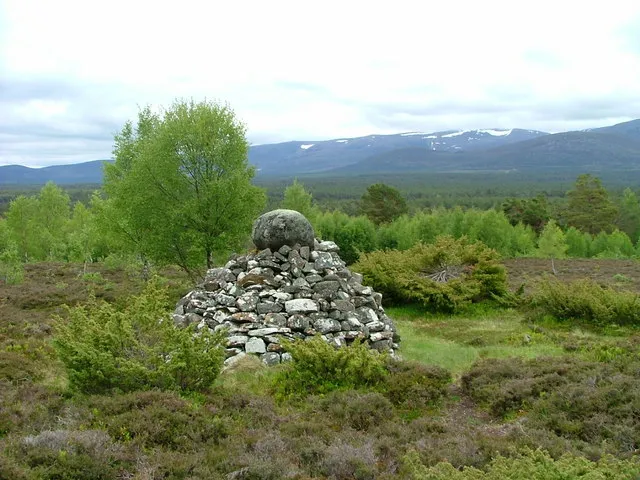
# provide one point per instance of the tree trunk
(209, 258)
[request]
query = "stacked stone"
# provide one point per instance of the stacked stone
(294, 292)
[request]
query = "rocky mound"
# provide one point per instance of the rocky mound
(294, 292)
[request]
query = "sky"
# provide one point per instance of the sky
(73, 72)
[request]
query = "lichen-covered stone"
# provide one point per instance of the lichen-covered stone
(282, 227)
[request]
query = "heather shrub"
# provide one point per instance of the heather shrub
(358, 410)
(318, 367)
(158, 419)
(529, 464)
(135, 347)
(585, 402)
(585, 301)
(444, 276)
(414, 386)
(508, 385)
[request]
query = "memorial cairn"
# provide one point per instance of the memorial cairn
(292, 287)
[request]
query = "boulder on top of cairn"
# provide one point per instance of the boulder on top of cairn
(282, 227)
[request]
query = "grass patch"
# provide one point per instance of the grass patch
(456, 342)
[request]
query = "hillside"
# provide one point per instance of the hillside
(615, 147)
(576, 151)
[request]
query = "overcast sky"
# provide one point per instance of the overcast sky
(72, 72)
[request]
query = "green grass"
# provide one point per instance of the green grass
(456, 342)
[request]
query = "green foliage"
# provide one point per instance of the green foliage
(490, 227)
(318, 367)
(590, 209)
(444, 276)
(533, 212)
(552, 242)
(528, 464)
(137, 347)
(578, 243)
(82, 236)
(22, 224)
(180, 189)
(383, 203)
(38, 225)
(629, 217)
(298, 199)
(613, 245)
(583, 301)
(11, 266)
(354, 235)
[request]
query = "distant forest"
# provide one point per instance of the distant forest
(421, 190)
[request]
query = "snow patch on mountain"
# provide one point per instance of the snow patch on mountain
(342, 141)
(306, 147)
(454, 134)
(409, 134)
(496, 133)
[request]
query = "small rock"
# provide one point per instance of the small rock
(298, 322)
(275, 319)
(301, 305)
(255, 345)
(231, 361)
(237, 340)
(268, 307)
(270, 358)
(326, 325)
(261, 332)
(244, 317)
(247, 302)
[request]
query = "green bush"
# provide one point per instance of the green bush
(531, 465)
(11, 267)
(318, 367)
(353, 235)
(136, 347)
(444, 276)
(583, 300)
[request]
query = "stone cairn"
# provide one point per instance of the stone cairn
(293, 287)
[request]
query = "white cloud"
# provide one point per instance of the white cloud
(309, 70)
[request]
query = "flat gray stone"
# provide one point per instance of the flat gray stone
(255, 345)
(300, 305)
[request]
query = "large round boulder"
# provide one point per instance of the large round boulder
(282, 227)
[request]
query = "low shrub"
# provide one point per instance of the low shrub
(508, 385)
(358, 410)
(318, 367)
(158, 419)
(529, 464)
(135, 347)
(585, 301)
(18, 368)
(444, 276)
(581, 401)
(414, 386)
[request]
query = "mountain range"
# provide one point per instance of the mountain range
(615, 147)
